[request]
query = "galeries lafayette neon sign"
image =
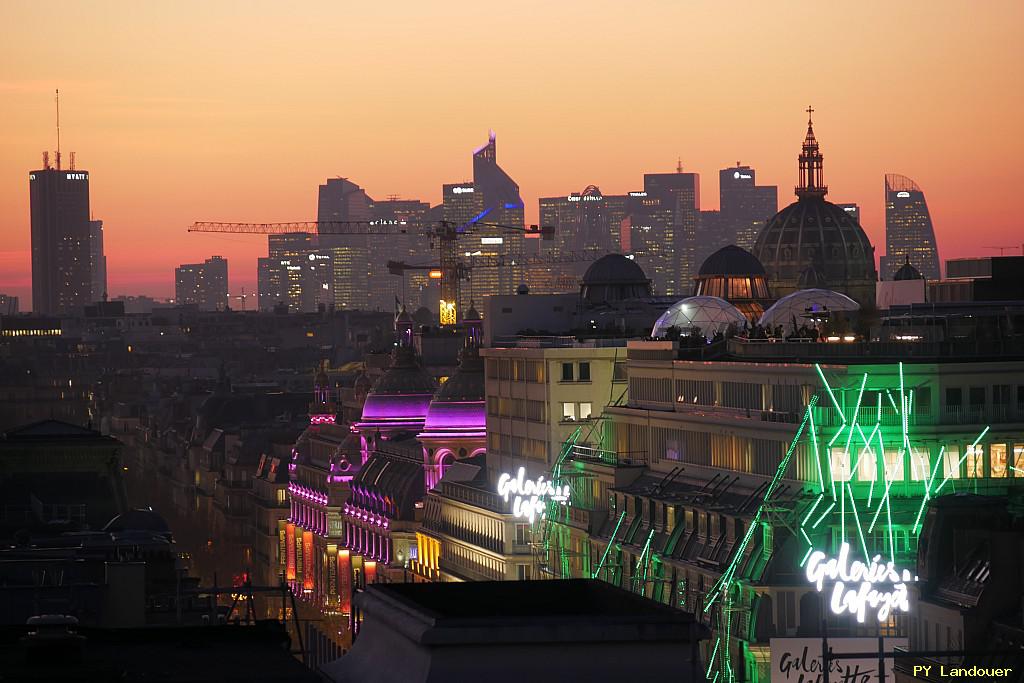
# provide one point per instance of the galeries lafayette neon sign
(859, 586)
(531, 495)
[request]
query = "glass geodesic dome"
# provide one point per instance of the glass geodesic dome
(708, 313)
(807, 306)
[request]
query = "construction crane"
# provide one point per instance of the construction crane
(1002, 249)
(445, 234)
(464, 270)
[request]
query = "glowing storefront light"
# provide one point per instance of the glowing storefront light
(447, 312)
(859, 586)
(531, 495)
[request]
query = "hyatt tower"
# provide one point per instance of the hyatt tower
(62, 278)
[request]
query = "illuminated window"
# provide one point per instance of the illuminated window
(997, 455)
(919, 469)
(867, 466)
(894, 464)
(568, 412)
(976, 462)
(840, 464)
(585, 410)
(1018, 460)
(951, 463)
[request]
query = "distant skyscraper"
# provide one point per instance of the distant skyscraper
(203, 284)
(851, 209)
(494, 197)
(61, 274)
(8, 304)
(908, 229)
(745, 206)
(342, 200)
(587, 222)
(411, 246)
(673, 203)
(97, 261)
(296, 273)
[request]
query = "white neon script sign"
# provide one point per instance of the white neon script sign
(855, 582)
(531, 495)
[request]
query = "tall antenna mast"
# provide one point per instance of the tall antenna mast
(58, 129)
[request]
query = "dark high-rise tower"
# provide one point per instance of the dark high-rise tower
(203, 284)
(679, 197)
(61, 274)
(97, 261)
(745, 206)
(495, 198)
(908, 229)
(342, 200)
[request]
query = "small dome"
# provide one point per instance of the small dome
(459, 403)
(614, 278)
(139, 519)
(801, 304)
(908, 272)
(592, 191)
(402, 393)
(472, 314)
(708, 313)
(614, 269)
(732, 260)
(403, 316)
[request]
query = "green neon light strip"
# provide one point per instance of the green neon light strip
(711, 659)
(879, 462)
(817, 455)
(806, 555)
(892, 542)
(829, 509)
(856, 518)
(814, 506)
(928, 490)
(946, 476)
(892, 401)
(831, 395)
(608, 547)
(885, 499)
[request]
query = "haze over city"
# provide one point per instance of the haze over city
(238, 112)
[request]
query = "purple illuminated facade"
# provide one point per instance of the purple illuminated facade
(456, 420)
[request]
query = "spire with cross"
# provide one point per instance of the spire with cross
(811, 174)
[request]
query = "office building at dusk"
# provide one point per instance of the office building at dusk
(492, 198)
(296, 273)
(342, 200)
(745, 206)
(97, 261)
(909, 235)
(203, 284)
(62, 279)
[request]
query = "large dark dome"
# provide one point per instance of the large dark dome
(732, 260)
(812, 232)
(614, 278)
(813, 242)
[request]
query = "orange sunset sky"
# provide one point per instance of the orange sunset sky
(237, 111)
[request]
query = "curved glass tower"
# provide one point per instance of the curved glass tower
(908, 229)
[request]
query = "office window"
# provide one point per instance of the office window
(840, 464)
(522, 534)
(923, 400)
(619, 371)
(1018, 460)
(585, 410)
(568, 412)
(951, 466)
(584, 372)
(523, 572)
(867, 466)
(997, 455)
(567, 375)
(893, 464)
(919, 466)
(976, 399)
(954, 397)
(976, 462)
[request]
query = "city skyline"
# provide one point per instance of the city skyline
(242, 140)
